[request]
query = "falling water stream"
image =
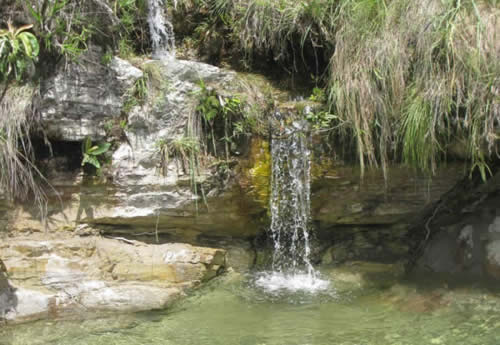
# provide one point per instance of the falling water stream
(161, 30)
(290, 213)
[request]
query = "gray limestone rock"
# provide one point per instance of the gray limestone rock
(82, 96)
(51, 277)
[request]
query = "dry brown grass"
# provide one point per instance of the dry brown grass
(19, 177)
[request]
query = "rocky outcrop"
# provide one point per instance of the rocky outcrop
(56, 277)
(143, 194)
(80, 98)
(468, 240)
(341, 197)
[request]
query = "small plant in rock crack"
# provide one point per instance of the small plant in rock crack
(91, 152)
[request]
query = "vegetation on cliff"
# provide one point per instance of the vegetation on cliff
(402, 81)
(406, 81)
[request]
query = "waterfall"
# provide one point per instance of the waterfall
(290, 212)
(161, 30)
(290, 200)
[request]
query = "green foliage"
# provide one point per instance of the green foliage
(321, 120)
(318, 95)
(91, 153)
(187, 151)
(223, 116)
(132, 33)
(397, 69)
(107, 58)
(62, 25)
(183, 148)
(137, 95)
(410, 80)
(18, 48)
(288, 30)
(65, 27)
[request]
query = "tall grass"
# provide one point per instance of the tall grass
(19, 177)
(285, 28)
(413, 77)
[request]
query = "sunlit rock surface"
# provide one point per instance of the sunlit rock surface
(43, 277)
(80, 98)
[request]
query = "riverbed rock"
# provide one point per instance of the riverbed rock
(50, 277)
(358, 275)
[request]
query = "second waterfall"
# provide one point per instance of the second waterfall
(290, 212)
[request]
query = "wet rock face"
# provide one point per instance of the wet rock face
(341, 197)
(493, 249)
(52, 278)
(80, 98)
(469, 247)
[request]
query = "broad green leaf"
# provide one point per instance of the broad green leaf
(86, 145)
(88, 159)
(34, 43)
(102, 148)
(15, 47)
(28, 50)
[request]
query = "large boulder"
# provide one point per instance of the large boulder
(50, 277)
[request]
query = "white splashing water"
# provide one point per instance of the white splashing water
(161, 30)
(290, 214)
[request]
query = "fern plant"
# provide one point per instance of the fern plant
(18, 48)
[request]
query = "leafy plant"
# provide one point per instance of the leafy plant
(321, 120)
(91, 152)
(62, 25)
(219, 112)
(18, 48)
(318, 95)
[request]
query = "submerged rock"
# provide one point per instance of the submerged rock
(56, 277)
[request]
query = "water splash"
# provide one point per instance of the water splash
(161, 30)
(290, 212)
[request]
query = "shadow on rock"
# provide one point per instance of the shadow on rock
(8, 299)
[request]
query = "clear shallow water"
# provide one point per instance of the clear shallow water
(235, 311)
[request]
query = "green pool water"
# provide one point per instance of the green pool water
(232, 310)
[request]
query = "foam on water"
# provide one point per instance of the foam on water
(292, 282)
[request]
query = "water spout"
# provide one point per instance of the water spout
(161, 30)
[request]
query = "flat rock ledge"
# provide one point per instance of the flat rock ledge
(51, 278)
